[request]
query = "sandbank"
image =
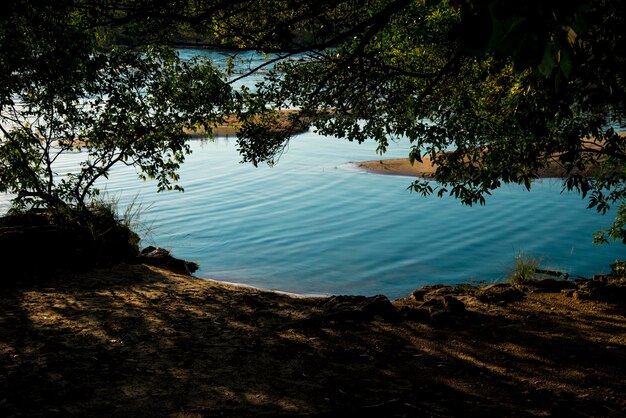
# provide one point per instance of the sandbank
(232, 125)
(403, 167)
(400, 167)
(426, 168)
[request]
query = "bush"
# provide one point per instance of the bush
(40, 242)
(525, 268)
(618, 269)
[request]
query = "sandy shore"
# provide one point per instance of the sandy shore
(426, 168)
(232, 125)
(400, 167)
(136, 340)
(403, 167)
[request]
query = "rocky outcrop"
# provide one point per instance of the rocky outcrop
(350, 308)
(550, 285)
(32, 246)
(436, 304)
(444, 304)
(161, 257)
(601, 288)
(500, 294)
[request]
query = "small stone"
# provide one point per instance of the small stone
(552, 285)
(453, 305)
(418, 295)
(440, 317)
(149, 249)
(501, 293)
(415, 314)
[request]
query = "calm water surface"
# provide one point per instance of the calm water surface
(315, 224)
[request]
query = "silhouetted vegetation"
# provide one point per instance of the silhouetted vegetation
(510, 87)
(38, 243)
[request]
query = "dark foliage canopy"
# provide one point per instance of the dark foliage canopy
(63, 91)
(493, 91)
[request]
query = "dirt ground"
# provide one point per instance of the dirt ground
(137, 340)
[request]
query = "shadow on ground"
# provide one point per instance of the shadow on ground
(135, 340)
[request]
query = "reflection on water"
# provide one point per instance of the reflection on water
(316, 224)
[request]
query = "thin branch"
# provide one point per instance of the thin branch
(261, 66)
(25, 165)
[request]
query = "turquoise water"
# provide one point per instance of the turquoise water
(315, 224)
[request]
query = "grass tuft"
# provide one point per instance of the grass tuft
(524, 269)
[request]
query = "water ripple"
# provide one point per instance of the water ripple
(314, 224)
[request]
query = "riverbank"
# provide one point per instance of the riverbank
(426, 168)
(231, 126)
(139, 340)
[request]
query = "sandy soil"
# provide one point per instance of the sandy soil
(426, 168)
(402, 167)
(136, 340)
(232, 125)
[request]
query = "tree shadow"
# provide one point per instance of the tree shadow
(136, 341)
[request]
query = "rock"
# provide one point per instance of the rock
(440, 317)
(436, 310)
(551, 285)
(339, 302)
(149, 249)
(497, 286)
(454, 306)
(160, 257)
(354, 308)
(433, 303)
(553, 273)
(446, 309)
(499, 293)
(603, 290)
(379, 306)
(421, 294)
(442, 290)
(415, 314)
(418, 295)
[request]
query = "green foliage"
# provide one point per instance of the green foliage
(535, 34)
(618, 269)
(524, 269)
(617, 230)
(494, 92)
(120, 106)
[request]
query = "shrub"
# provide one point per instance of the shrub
(40, 242)
(524, 269)
(618, 269)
